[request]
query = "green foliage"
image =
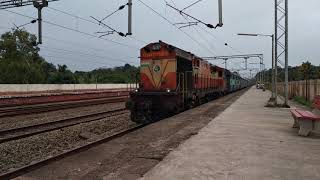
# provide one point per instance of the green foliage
(20, 63)
(305, 71)
(301, 100)
(123, 74)
(19, 59)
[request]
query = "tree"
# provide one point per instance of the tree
(19, 58)
(63, 76)
(305, 69)
(20, 63)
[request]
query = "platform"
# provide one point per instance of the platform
(246, 141)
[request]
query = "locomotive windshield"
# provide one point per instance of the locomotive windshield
(156, 47)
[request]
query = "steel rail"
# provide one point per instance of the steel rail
(39, 108)
(35, 165)
(27, 131)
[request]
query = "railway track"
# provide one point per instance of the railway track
(33, 109)
(27, 131)
(217, 108)
(35, 165)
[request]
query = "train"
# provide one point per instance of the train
(173, 80)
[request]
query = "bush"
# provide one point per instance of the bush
(301, 100)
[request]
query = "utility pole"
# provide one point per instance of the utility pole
(246, 61)
(220, 13)
(261, 71)
(129, 17)
(286, 88)
(225, 63)
(281, 44)
(276, 54)
(39, 5)
(244, 56)
(273, 72)
(272, 55)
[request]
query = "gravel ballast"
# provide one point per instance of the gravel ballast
(32, 119)
(21, 152)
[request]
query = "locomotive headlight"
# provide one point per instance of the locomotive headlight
(136, 90)
(168, 90)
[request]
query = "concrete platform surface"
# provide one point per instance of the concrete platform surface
(247, 141)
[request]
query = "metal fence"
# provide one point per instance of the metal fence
(306, 88)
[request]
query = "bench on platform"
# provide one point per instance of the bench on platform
(307, 121)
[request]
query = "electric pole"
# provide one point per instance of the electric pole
(225, 63)
(286, 88)
(39, 5)
(281, 44)
(129, 17)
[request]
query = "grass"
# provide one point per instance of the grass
(301, 100)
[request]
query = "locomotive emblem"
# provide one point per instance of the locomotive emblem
(156, 68)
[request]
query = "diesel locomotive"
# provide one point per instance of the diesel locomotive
(173, 80)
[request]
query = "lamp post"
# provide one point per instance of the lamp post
(274, 69)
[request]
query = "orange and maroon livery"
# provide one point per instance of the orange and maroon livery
(172, 80)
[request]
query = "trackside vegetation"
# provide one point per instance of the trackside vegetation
(20, 63)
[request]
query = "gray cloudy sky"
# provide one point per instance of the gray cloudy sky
(83, 52)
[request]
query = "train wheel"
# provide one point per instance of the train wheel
(138, 118)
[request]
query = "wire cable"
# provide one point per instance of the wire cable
(85, 54)
(82, 45)
(72, 15)
(90, 21)
(171, 23)
(202, 37)
(191, 5)
(71, 59)
(216, 38)
(71, 29)
(50, 49)
(119, 9)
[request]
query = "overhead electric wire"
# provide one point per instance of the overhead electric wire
(205, 39)
(83, 46)
(72, 15)
(72, 29)
(232, 48)
(71, 59)
(15, 3)
(194, 18)
(74, 43)
(86, 54)
(88, 20)
(172, 2)
(191, 5)
(81, 58)
(78, 17)
(218, 39)
(119, 9)
(171, 23)
(50, 49)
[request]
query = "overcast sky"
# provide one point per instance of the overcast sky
(84, 52)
